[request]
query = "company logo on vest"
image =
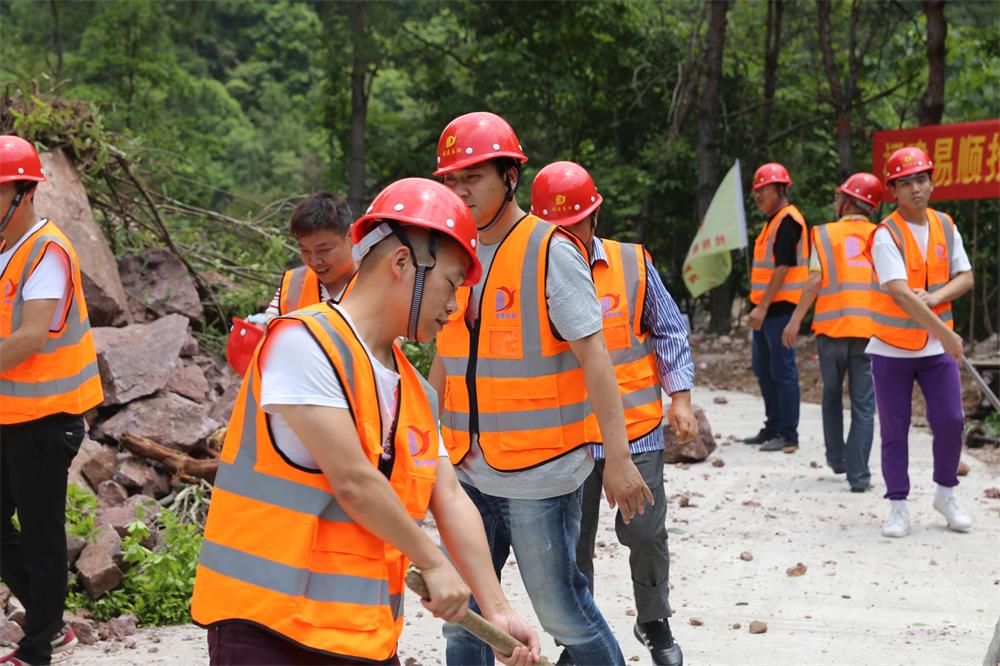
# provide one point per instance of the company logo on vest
(504, 302)
(419, 441)
(609, 306)
(9, 291)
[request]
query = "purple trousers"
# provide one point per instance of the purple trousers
(939, 382)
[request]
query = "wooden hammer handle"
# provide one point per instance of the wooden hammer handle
(474, 623)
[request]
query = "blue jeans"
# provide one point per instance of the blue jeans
(778, 378)
(837, 357)
(543, 534)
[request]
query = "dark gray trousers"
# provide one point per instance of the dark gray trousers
(645, 537)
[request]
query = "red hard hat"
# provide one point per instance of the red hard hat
(906, 162)
(563, 193)
(769, 174)
(864, 187)
(19, 160)
(474, 138)
(243, 340)
(428, 204)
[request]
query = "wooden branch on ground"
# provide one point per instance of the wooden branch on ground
(180, 463)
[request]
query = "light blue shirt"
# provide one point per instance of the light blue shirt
(669, 334)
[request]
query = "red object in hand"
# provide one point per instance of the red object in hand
(243, 340)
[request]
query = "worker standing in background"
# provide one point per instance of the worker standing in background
(780, 258)
(48, 379)
(840, 283)
(921, 267)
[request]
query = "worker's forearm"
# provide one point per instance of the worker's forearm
(19, 347)
(369, 499)
(602, 388)
(809, 293)
(773, 286)
(461, 529)
(957, 286)
(920, 313)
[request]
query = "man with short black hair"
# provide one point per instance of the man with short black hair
(320, 224)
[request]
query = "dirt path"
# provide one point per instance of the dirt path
(932, 598)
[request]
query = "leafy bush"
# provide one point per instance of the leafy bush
(158, 583)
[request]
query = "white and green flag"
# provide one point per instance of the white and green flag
(723, 228)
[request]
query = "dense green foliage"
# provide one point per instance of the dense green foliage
(157, 584)
(240, 105)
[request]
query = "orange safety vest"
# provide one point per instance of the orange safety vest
(300, 288)
(279, 551)
(508, 378)
(63, 377)
(621, 289)
(843, 306)
(763, 260)
(892, 325)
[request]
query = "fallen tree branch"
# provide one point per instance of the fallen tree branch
(180, 463)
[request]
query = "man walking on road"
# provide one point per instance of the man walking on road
(331, 463)
(525, 375)
(840, 283)
(780, 258)
(648, 342)
(921, 267)
(48, 379)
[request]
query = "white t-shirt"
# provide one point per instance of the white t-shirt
(296, 371)
(49, 280)
(890, 265)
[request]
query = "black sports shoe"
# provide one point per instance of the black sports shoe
(778, 443)
(660, 642)
(761, 437)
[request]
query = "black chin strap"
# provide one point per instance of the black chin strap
(419, 279)
(13, 207)
(507, 198)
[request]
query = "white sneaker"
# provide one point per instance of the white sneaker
(898, 524)
(948, 507)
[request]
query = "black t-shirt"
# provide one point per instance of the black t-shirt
(785, 254)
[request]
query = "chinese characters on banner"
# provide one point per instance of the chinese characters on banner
(966, 157)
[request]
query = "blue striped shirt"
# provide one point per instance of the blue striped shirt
(669, 335)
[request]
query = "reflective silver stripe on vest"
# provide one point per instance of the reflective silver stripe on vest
(76, 327)
(631, 255)
(768, 261)
(52, 387)
(887, 320)
(294, 581)
(785, 286)
(296, 289)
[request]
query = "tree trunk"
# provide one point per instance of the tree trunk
(772, 50)
(55, 11)
(932, 103)
(359, 108)
(840, 98)
(720, 297)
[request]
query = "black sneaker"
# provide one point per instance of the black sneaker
(837, 469)
(761, 437)
(660, 642)
(778, 443)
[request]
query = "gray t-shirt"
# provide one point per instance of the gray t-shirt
(576, 313)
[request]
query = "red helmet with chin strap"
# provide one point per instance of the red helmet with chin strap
(421, 203)
(563, 193)
(474, 138)
(771, 173)
(906, 162)
(864, 187)
(19, 160)
(19, 163)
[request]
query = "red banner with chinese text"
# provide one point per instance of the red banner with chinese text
(966, 157)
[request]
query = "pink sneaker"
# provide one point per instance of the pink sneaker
(64, 640)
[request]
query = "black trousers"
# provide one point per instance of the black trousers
(34, 460)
